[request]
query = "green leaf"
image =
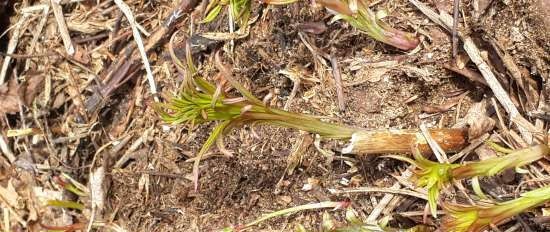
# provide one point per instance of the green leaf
(218, 130)
(212, 14)
(65, 204)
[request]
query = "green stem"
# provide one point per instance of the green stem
(305, 123)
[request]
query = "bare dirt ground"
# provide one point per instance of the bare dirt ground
(54, 129)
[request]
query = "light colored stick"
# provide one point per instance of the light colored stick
(387, 198)
(5, 149)
(437, 150)
(39, 27)
(12, 44)
(62, 25)
(137, 37)
(446, 21)
(338, 83)
(382, 190)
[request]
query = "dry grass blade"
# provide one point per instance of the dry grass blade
(137, 37)
(62, 26)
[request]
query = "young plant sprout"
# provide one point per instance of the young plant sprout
(239, 10)
(357, 13)
(200, 102)
(434, 176)
(460, 218)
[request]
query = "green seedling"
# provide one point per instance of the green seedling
(199, 102)
(239, 10)
(460, 218)
(434, 176)
(358, 14)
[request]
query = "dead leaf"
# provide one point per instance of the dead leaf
(32, 88)
(59, 100)
(298, 150)
(461, 60)
(313, 27)
(368, 74)
(9, 195)
(96, 188)
(438, 108)
(480, 6)
(12, 94)
(444, 6)
(477, 120)
(9, 97)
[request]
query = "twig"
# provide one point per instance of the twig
(387, 198)
(12, 44)
(338, 82)
(437, 150)
(39, 27)
(401, 140)
(456, 6)
(23, 56)
(137, 37)
(62, 26)
(383, 190)
(468, 73)
(473, 145)
(6, 149)
(446, 21)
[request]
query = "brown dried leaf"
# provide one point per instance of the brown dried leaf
(438, 108)
(9, 195)
(480, 6)
(478, 120)
(12, 94)
(313, 27)
(461, 60)
(32, 88)
(368, 74)
(298, 150)
(9, 97)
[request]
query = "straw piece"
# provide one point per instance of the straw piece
(137, 37)
(62, 25)
(12, 44)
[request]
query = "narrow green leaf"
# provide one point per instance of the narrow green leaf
(218, 130)
(65, 204)
(212, 14)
